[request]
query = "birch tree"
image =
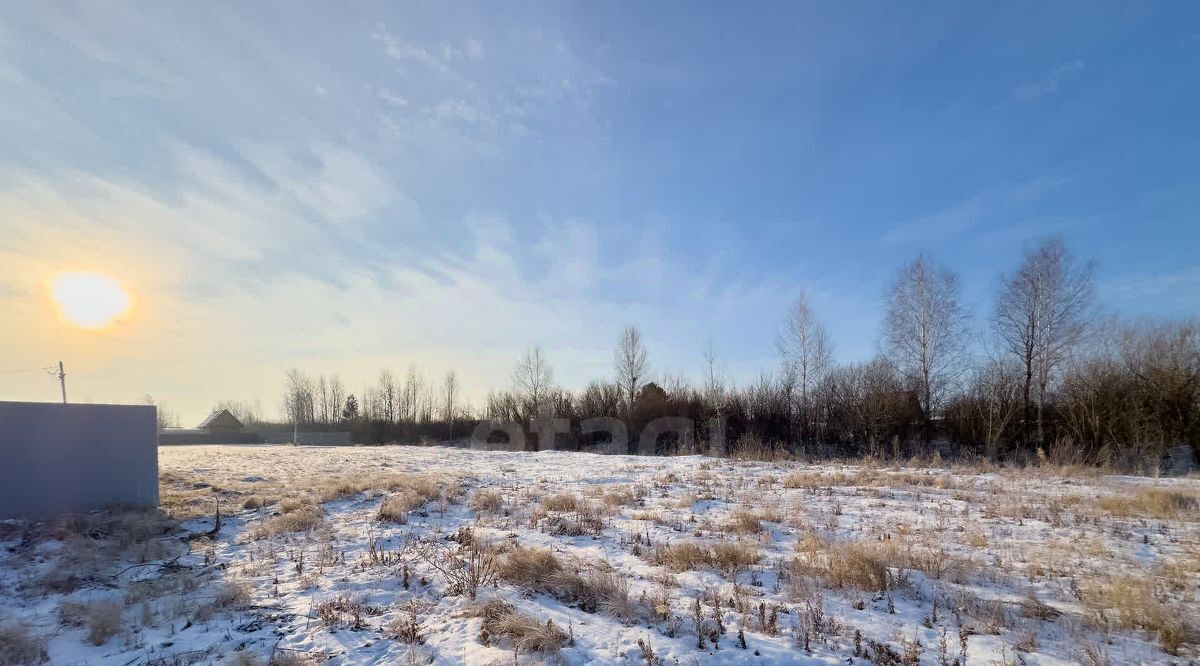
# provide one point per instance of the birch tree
(631, 364)
(533, 379)
(925, 332)
(1039, 318)
(807, 355)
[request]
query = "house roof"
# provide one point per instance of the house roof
(220, 417)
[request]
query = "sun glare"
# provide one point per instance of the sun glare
(89, 300)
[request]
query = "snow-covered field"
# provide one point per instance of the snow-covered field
(372, 554)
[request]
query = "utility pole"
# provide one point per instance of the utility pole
(62, 381)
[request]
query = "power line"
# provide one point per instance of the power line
(53, 370)
(44, 368)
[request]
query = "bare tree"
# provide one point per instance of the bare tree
(385, 397)
(324, 408)
(925, 332)
(866, 401)
(533, 379)
(632, 366)
(713, 384)
(994, 396)
(449, 395)
(167, 418)
(806, 353)
(337, 397)
(299, 402)
(1039, 318)
(246, 411)
(410, 398)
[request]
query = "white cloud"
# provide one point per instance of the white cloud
(1048, 85)
(474, 49)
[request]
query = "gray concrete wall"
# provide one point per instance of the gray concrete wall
(308, 438)
(167, 437)
(65, 458)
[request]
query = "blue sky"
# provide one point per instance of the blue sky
(339, 188)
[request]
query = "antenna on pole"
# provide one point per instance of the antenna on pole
(62, 381)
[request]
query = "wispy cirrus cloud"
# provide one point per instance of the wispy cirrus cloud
(977, 210)
(1184, 284)
(1049, 84)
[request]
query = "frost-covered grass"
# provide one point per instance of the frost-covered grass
(449, 556)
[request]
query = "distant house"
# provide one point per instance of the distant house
(221, 421)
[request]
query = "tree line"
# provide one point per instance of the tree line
(1042, 375)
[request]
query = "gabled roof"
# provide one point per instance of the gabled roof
(220, 417)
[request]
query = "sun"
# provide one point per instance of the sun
(89, 300)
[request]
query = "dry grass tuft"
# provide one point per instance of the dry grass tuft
(103, 620)
(395, 509)
(1131, 603)
(486, 500)
(593, 588)
(340, 489)
(19, 647)
(561, 502)
(303, 517)
(232, 595)
(291, 658)
(619, 497)
(1152, 503)
(503, 623)
(726, 556)
(745, 522)
(859, 564)
(345, 610)
(531, 568)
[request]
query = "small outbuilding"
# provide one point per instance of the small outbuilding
(221, 421)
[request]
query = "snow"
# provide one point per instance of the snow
(1019, 531)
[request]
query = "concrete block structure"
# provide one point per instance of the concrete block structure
(57, 458)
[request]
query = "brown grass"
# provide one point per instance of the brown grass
(486, 500)
(303, 518)
(19, 647)
(103, 619)
(726, 556)
(561, 502)
(619, 497)
(1132, 603)
(395, 509)
(1152, 503)
(503, 623)
(745, 522)
(859, 564)
(595, 588)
